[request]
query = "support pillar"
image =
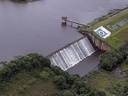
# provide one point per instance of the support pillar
(64, 20)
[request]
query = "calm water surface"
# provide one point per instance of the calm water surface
(36, 26)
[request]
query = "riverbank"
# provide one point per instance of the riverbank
(112, 83)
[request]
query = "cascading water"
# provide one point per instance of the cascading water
(73, 54)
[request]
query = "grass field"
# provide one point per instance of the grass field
(119, 35)
(26, 84)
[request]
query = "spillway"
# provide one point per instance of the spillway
(72, 54)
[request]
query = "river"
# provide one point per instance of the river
(36, 26)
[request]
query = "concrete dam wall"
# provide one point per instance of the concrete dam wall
(101, 45)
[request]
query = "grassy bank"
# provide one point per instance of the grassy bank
(118, 28)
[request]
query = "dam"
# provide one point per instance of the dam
(71, 55)
(35, 27)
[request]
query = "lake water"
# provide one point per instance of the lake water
(36, 26)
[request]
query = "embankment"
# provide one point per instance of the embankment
(101, 45)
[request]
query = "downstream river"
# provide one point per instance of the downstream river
(36, 26)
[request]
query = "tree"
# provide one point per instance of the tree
(57, 93)
(59, 80)
(68, 93)
(96, 92)
(81, 87)
(110, 60)
(44, 75)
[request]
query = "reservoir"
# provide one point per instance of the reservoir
(36, 26)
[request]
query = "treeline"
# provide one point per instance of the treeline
(72, 85)
(110, 60)
(27, 63)
(68, 85)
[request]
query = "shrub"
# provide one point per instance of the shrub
(110, 60)
(120, 88)
(33, 80)
(44, 75)
(27, 63)
(56, 70)
(57, 93)
(21, 89)
(81, 87)
(71, 79)
(59, 80)
(126, 61)
(51, 73)
(67, 93)
(96, 92)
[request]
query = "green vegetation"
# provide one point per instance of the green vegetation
(32, 75)
(108, 82)
(113, 83)
(111, 60)
(26, 84)
(116, 23)
(112, 75)
(27, 75)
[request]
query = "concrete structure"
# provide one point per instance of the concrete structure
(103, 46)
